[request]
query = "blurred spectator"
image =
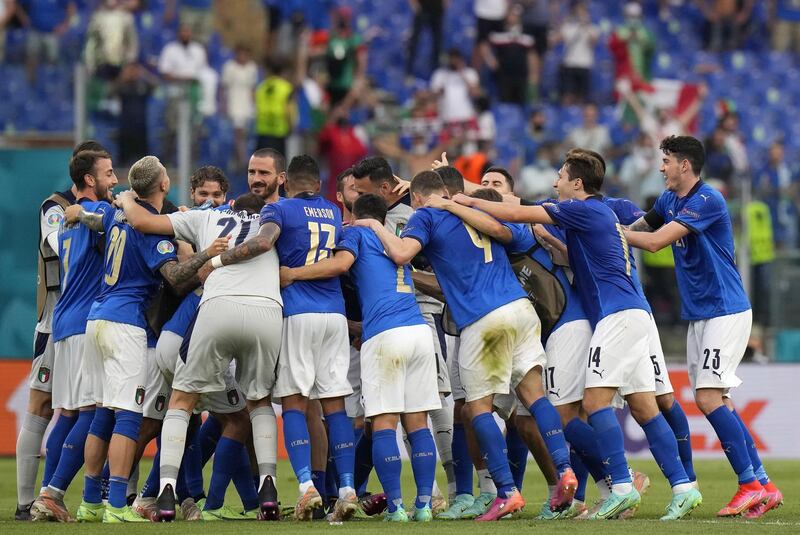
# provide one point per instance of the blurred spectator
(312, 104)
(346, 55)
(416, 159)
(579, 36)
(512, 60)
(633, 46)
(734, 142)
(777, 185)
(536, 17)
(639, 173)
(661, 122)
(133, 87)
(111, 40)
(273, 107)
(726, 23)
(239, 79)
(786, 26)
(430, 14)
(536, 135)
(7, 10)
(196, 14)
(489, 15)
(590, 135)
(455, 84)
(474, 160)
(538, 176)
(718, 163)
(487, 129)
(341, 144)
(181, 64)
(46, 21)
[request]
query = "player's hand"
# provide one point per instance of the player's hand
(437, 201)
(122, 197)
(511, 198)
(460, 198)
(183, 208)
(286, 276)
(204, 271)
(218, 246)
(402, 186)
(440, 163)
(72, 214)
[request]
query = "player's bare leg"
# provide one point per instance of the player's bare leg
(29, 446)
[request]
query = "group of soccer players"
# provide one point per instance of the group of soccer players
(360, 319)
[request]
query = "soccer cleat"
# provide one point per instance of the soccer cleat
(130, 499)
(545, 513)
(306, 504)
(564, 492)
(641, 482)
(90, 512)
(588, 512)
(502, 507)
(252, 514)
(749, 495)
(222, 513)
(345, 507)
(399, 515)
(422, 514)
(121, 515)
(373, 504)
(683, 504)
(771, 500)
(192, 510)
(438, 504)
(23, 513)
(145, 508)
(616, 504)
(460, 503)
(268, 500)
(479, 506)
(576, 510)
(165, 505)
(50, 508)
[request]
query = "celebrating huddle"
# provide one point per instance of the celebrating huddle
(358, 319)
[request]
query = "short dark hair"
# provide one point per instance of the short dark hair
(88, 144)
(376, 168)
(303, 170)
(503, 171)
(278, 158)
(249, 202)
(209, 173)
(585, 167)
(685, 148)
(452, 178)
(592, 153)
(370, 205)
(83, 163)
(487, 194)
(427, 182)
(340, 179)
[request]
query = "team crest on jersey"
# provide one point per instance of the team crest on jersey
(165, 247)
(233, 397)
(139, 396)
(161, 400)
(44, 374)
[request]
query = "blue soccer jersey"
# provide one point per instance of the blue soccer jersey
(81, 253)
(473, 270)
(599, 257)
(310, 228)
(705, 266)
(130, 278)
(180, 320)
(385, 291)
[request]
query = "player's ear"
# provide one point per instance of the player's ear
(282, 178)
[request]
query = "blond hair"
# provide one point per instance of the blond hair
(145, 175)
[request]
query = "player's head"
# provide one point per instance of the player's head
(580, 174)
(346, 192)
(370, 206)
(374, 175)
(93, 174)
(149, 178)
(302, 175)
(424, 185)
(498, 178)
(488, 194)
(209, 183)
(452, 178)
(249, 202)
(594, 154)
(266, 172)
(88, 144)
(683, 160)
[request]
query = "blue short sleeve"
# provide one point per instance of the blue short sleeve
(570, 214)
(158, 250)
(104, 208)
(627, 212)
(701, 211)
(521, 238)
(419, 227)
(272, 213)
(659, 207)
(350, 241)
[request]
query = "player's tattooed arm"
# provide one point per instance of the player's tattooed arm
(640, 225)
(655, 241)
(324, 269)
(485, 224)
(400, 250)
(507, 211)
(258, 244)
(183, 275)
(76, 214)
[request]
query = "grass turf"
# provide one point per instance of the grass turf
(715, 477)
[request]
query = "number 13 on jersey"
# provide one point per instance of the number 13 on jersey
(318, 249)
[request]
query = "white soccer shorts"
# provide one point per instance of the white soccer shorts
(564, 377)
(442, 372)
(354, 404)
(663, 383)
(453, 349)
(714, 349)
(41, 377)
(72, 390)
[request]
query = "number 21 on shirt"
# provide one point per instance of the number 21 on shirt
(317, 248)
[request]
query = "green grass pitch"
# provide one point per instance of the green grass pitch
(716, 483)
